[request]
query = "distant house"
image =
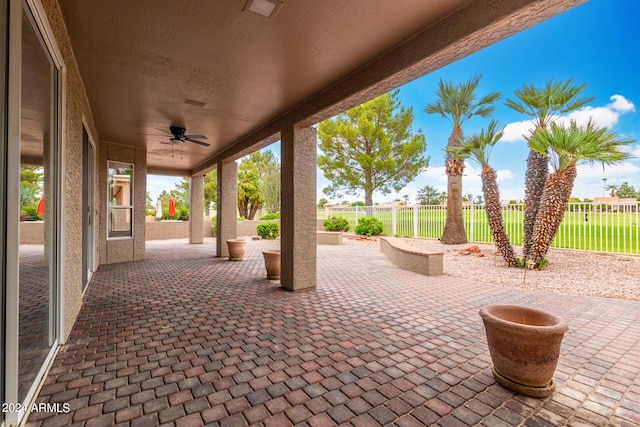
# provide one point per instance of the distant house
(627, 204)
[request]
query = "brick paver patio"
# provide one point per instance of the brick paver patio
(184, 339)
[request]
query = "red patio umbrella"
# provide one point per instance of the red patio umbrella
(172, 207)
(40, 208)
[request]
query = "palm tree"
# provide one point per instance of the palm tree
(457, 103)
(568, 146)
(478, 148)
(542, 105)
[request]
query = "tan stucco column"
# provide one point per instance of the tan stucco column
(196, 209)
(298, 208)
(227, 206)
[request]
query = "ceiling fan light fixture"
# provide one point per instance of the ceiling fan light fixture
(265, 8)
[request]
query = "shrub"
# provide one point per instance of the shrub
(268, 230)
(29, 214)
(336, 223)
(368, 226)
(270, 216)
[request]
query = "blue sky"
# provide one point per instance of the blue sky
(597, 43)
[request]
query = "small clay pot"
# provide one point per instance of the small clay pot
(272, 263)
(524, 344)
(236, 249)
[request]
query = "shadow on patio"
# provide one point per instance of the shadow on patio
(184, 338)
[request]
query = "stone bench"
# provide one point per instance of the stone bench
(411, 258)
(329, 237)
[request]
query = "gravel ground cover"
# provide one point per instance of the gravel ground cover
(568, 272)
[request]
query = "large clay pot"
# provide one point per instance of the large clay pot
(272, 263)
(525, 345)
(236, 249)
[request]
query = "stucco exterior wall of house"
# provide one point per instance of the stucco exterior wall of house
(122, 250)
(75, 108)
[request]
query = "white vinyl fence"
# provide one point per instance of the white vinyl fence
(602, 228)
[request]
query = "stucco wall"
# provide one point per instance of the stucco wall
(75, 108)
(121, 250)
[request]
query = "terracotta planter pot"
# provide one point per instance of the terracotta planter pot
(272, 264)
(525, 345)
(236, 249)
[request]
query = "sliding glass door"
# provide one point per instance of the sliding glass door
(4, 84)
(30, 206)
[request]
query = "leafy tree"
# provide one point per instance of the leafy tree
(322, 202)
(258, 183)
(542, 105)
(210, 189)
(478, 148)
(30, 185)
(612, 188)
(428, 195)
(457, 103)
(371, 148)
(567, 146)
(627, 191)
(479, 199)
(249, 194)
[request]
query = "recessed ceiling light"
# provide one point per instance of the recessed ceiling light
(265, 8)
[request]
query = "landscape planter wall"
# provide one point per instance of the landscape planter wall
(524, 344)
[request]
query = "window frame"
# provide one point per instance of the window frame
(114, 235)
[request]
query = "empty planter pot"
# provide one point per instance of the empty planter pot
(272, 263)
(525, 345)
(236, 249)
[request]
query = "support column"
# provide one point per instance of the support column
(227, 206)
(196, 209)
(298, 208)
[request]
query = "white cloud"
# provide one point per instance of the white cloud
(158, 183)
(514, 131)
(589, 182)
(621, 104)
(607, 116)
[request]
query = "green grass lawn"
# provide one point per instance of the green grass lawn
(601, 231)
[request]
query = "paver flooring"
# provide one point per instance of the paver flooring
(185, 338)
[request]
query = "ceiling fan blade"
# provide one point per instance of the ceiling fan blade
(164, 131)
(196, 136)
(195, 141)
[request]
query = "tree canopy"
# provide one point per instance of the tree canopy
(371, 148)
(258, 183)
(428, 195)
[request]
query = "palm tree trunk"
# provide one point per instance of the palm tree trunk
(454, 232)
(494, 214)
(535, 177)
(557, 191)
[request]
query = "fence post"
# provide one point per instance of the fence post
(356, 215)
(415, 222)
(472, 223)
(394, 219)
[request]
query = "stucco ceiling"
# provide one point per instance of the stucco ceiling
(145, 63)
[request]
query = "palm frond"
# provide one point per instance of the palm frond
(457, 102)
(575, 143)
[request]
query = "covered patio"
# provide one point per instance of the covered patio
(186, 338)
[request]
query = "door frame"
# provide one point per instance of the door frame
(88, 234)
(10, 380)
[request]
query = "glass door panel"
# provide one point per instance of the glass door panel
(38, 214)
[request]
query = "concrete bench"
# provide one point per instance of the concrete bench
(411, 258)
(329, 237)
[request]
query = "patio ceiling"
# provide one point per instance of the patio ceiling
(236, 77)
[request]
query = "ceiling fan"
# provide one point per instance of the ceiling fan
(178, 136)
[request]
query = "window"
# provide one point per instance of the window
(120, 201)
